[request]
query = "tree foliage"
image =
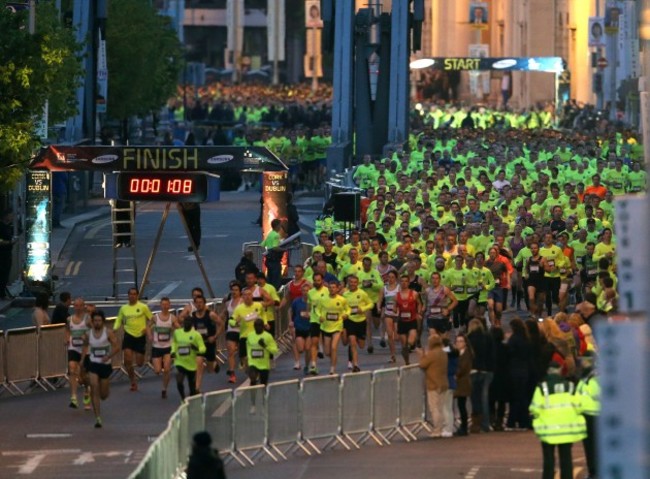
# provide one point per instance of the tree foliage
(33, 69)
(144, 58)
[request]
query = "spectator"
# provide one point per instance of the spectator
(204, 461)
(434, 363)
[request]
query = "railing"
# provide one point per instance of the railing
(307, 417)
(296, 255)
(34, 358)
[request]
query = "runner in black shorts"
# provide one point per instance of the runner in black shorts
(232, 332)
(301, 325)
(208, 324)
(100, 346)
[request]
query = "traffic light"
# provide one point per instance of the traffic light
(597, 83)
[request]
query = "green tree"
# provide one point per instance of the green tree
(144, 59)
(33, 69)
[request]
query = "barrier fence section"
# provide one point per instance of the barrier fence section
(37, 357)
(305, 416)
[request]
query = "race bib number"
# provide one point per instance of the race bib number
(332, 316)
(99, 352)
(202, 331)
(250, 317)
(551, 263)
(458, 289)
(435, 310)
(366, 283)
(77, 342)
(405, 315)
(257, 353)
(497, 281)
(355, 309)
(592, 272)
(534, 269)
(304, 314)
(164, 336)
(184, 351)
(563, 271)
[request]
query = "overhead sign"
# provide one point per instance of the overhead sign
(211, 159)
(539, 64)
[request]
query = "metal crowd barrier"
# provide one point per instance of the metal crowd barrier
(250, 423)
(34, 357)
(52, 355)
(295, 255)
(21, 349)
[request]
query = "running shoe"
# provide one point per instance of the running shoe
(134, 386)
(87, 403)
(232, 379)
(356, 369)
(98, 422)
(313, 371)
(163, 394)
(296, 366)
(350, 365)
(217, 367)
(320, 355)
(371, 349)
(305, 370)
(392, 360)
(382, 342)
(73, 403)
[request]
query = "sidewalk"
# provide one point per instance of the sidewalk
(97, 207)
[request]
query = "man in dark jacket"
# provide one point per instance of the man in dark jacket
(204, 462)
(245, 266)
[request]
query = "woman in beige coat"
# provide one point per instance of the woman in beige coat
(434, 364)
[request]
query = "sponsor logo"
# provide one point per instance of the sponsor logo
(216, 160)
(100, 160)
(507, 63)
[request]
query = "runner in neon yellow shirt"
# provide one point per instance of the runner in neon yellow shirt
(332, 310)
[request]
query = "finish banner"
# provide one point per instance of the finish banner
(211, 159)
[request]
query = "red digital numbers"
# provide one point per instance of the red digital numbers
(174, 186)
(178, 186)
(144, 185)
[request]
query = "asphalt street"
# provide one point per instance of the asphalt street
(43, 438)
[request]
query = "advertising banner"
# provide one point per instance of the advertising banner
(38, 224)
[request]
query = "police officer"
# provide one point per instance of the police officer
(557, 421)
(588, 391)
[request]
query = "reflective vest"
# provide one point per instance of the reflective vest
(557, 417)
(588, 392)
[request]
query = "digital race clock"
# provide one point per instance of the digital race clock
(184, 187)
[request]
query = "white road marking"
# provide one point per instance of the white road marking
(526, 470)
(92, 232)
(472, 472)
(68, 268)
(42, 451)
(164, 292)
(31, 464)
(208, 236)
(48, 435)
(76, 268)
(87, 457)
